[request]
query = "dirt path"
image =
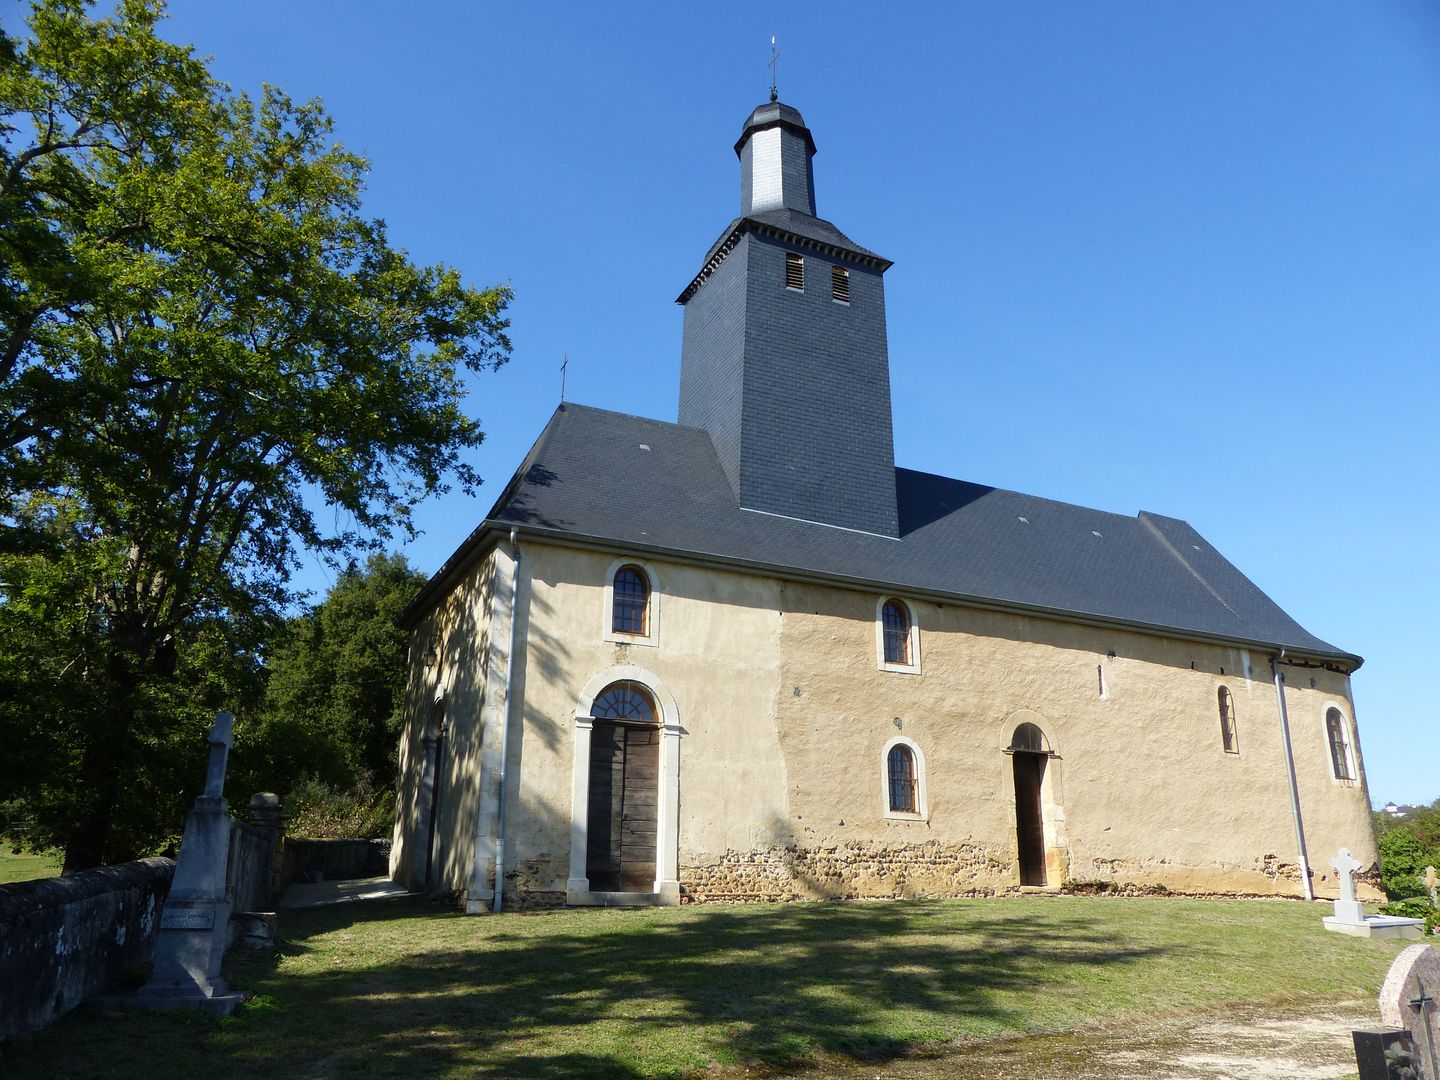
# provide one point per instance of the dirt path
(1240, 1045)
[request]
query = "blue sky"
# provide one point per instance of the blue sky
(1181, 258)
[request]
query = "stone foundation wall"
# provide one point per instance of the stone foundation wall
(849, 871)
(935, 869)
(65, 939)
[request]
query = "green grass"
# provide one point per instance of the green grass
(27, 867)
(406, 989)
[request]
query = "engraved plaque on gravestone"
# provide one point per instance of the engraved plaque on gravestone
(178, 916)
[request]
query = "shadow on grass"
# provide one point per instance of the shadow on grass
(622, 996)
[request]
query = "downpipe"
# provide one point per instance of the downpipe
(1290, 772)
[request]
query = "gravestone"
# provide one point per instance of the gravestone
(195, 922)
(1384, 1054)
(1408, 1000)
(1432, 881)
(1350, 917)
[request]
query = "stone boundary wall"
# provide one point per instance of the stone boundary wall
(333, 860)
(65, 939)
(248, 877)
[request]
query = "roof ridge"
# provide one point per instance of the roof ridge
(1144, 518)
(1025, 494)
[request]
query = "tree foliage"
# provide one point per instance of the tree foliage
(210, 360)
(336, 690)
(1407, 845)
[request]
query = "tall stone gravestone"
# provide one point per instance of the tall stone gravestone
(1408, 1003)
(195, 923)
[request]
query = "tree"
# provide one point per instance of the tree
(337, 685)
(202, 342)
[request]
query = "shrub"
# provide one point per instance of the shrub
(315, 809)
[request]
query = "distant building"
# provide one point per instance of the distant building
(745, 655)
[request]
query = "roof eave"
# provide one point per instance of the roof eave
(744, 225)
(1351, 661)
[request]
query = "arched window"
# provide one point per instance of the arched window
(1339, 745)
(624, 701)
(903, 780)
(1228, 736)
(1029, 739)
(895, 626)
(630, 607)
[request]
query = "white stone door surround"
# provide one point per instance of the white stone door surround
(667, 825)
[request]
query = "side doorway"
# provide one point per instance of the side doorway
(1029, 758)
(622, 811)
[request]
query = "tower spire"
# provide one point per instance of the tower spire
(774, 68)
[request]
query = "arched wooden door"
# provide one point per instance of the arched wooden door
(1028, 755)
(624, 790)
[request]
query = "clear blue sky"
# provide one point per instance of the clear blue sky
(1181, 258)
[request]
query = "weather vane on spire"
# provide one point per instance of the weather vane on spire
(774, 68)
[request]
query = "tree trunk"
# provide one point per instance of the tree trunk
(103, 765)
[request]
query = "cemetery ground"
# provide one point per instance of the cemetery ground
(408, 988)
(27, 866)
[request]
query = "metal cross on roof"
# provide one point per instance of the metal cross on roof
(774, 68)
(563, 366)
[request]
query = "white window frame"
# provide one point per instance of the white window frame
(922, 799)
(912, 668)
(651, 639)
(1351, 760)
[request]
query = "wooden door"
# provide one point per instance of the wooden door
(624, 782)
(1029, 824)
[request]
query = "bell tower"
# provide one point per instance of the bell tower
(784, 360)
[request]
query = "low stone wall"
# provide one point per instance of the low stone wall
(333, 860)
(65, 939)
(252, 853)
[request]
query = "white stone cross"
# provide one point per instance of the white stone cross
(1345, 866)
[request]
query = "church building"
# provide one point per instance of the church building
(743, 655)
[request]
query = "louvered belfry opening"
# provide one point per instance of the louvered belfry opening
(840, 284)
(795, 272)
(624, 790)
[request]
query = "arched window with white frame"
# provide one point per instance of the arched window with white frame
(897, 636)
(1341, 759)
(903, 776)
(632, 612)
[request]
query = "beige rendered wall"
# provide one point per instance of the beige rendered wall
(785, 716)
(461, 629)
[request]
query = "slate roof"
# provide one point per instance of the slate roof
(644, 484)
(804, 225)
(785, 220)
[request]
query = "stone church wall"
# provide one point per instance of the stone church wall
(785, 715)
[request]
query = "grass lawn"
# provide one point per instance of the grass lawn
(27, 867)
(407, 989)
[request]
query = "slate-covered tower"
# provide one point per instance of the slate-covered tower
(784, 360)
